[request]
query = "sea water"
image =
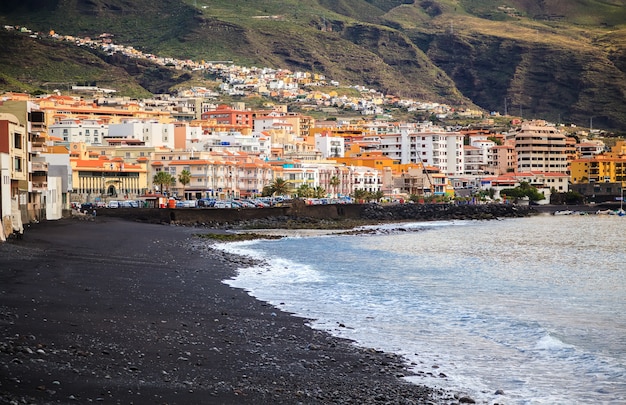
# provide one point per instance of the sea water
(533, 307)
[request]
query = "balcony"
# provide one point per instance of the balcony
(39, 166)
(40, 186)
(38, 147)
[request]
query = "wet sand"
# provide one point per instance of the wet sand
(114, 311)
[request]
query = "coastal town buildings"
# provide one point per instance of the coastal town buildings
(589, 148)
(94, 146)
(601, 168)
(426, 144)
(88, 131)
(28, 166)
(13, 171)
(100, 177)
(56, 108)
(147, 132)
(541, 147)
(502, 159)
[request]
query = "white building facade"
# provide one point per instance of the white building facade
(89, 132)
(430, 146)
(152, 133)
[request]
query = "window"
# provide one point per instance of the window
(17, 164)
(17, 140)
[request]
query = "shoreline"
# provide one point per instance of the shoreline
(119, 311)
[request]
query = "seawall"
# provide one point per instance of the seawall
(301, 212)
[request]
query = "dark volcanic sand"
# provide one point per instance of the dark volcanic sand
(121, 312)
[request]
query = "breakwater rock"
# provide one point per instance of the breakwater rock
(433, 212)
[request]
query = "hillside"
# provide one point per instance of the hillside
(560, 60)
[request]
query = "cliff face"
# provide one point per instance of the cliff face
(563, 84)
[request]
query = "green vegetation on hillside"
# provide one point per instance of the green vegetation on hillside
(560, 60)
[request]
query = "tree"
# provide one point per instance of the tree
(163, 179)
(569, 197)
(360, 194)
(319, 192)
(335, 182)
(304, 191)
(267, 191)
(378, 195)
(279, 186)
(523, 190)
(184, 177)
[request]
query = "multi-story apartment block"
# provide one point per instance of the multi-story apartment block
(337, 180)
(32, 191)
(90, 132)
(430, 146)
(474, 160)
(225, 114)
(607, 168)
(147, 132)
(13, 173)
(366, 178)
(503, 159)
(219, 175)
(542, 148)
(273, 121)
(330, 147)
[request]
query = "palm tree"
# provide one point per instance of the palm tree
(279, 186)
(185, 178)
(163, 179)
(360, 194)
(335, 182)
(319, 192)
(304, 191)
(378, 195)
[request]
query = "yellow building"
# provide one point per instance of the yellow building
(607, 167)
(99, 178)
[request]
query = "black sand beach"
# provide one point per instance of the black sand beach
(121, 312)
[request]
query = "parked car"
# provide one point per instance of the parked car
(206, 202)
(223, 204)
(113, 204)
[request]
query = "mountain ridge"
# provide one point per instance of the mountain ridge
(555, 60)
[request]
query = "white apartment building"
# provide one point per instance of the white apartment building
(587, 149)
(429, 145)
(151, 133)
(366, 178)
(330, 146)
(87, 131)
(257, 144)
(272, 122)
(474, 160)
(541, 148)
